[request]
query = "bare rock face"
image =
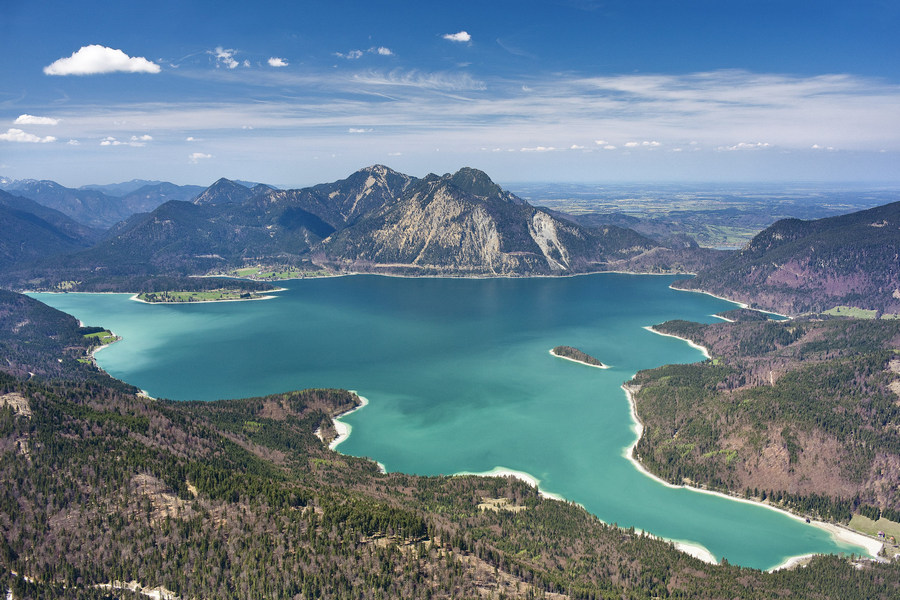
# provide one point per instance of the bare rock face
(465, 224)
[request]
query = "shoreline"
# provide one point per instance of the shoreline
(838, 532)
(344, 429)
(690, 343)
(520, 475)
(580, 362)
(738, 302)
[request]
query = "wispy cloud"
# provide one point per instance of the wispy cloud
(359, 130)
(17, 135)
(461, 36)
(277, 62)
(351, 55)
(447, 81)
(196, 157)
(96, 59)
(33, 120)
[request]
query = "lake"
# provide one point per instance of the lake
(459, 379)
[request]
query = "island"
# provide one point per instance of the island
(576, 355)
(216, 295)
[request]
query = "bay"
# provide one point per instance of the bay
(459, 379)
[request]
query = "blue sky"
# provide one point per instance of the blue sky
(295, 93)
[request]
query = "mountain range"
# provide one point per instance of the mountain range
(382, 221)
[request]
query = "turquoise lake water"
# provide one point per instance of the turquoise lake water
(459, 378)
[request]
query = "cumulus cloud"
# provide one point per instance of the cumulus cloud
(225, 57)
(190, 138)
(460, 36)
(632, 144)
(576, 147)
(601, 142)
(277, 62)
(73, 143)
(381, 50)
(96, 59)
(17, 135)
(196, 157)
(33, 120)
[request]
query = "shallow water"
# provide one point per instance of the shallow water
(459, 378)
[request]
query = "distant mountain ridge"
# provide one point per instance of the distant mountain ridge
(800, 266)
(100, 206)
(376, 219)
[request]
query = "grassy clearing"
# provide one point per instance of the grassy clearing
(869, 527)
(104, 337)
(850, 311)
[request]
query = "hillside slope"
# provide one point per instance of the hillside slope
(799, 266)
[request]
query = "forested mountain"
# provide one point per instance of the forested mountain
(100, 207)
(240, 499)
(798, 266)
(804, 410)
(31, 231)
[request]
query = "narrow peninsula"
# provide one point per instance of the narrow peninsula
(576, 355)
(217, 295)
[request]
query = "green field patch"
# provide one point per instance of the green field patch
(103, 337)
(851, 311)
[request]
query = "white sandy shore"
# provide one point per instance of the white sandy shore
(520, 475)
(843, 534)
(702, 349)
(738, 302)
(580, 362)
(343, 429)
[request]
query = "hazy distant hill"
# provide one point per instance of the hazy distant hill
(797, 266)
(31, 231)
(99, 206)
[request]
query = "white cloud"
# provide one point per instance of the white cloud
(539, 149)
(136, 141)
(17, 135)
(352, 55)
(73, 143)
(576, 147)
(395, 154)
(632, 144)
(461, 36)
(744, 146)
(225, 57)
(196, 157)
(601, 142)
(358, 130)
(382, 51)
(609, 147)
(33, 120)
(277, 62)
(96, 59)
(190, 138)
